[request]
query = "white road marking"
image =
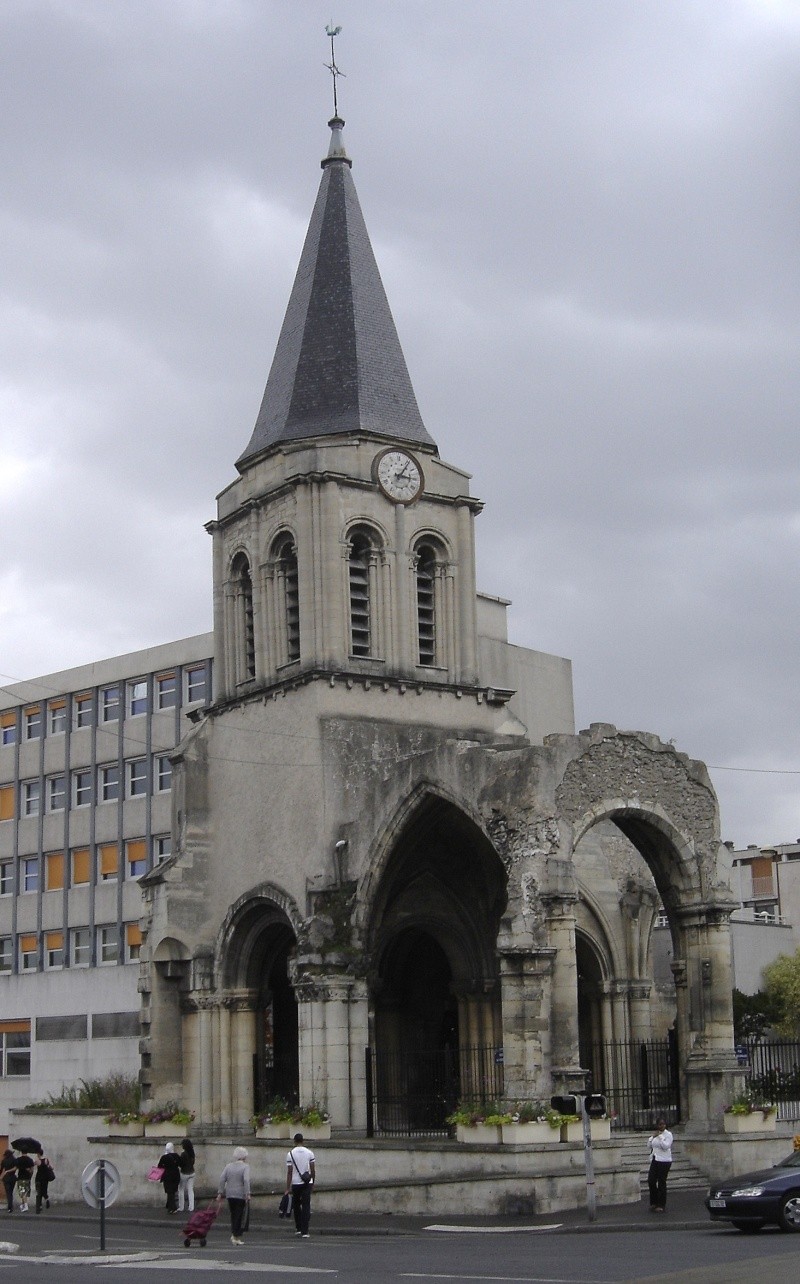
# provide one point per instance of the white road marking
(493, 1230)
(148, 1262)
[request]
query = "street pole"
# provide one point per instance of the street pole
(588, 1155)
(101, 1196)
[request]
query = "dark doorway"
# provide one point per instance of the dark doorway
(277, 1070)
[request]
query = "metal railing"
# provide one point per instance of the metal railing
(411, 1092)
(639, 1079)
(775, 1074)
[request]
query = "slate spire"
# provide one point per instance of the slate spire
(338, 367)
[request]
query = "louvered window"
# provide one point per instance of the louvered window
(286, 557)
(245, 631)
(426, 604)
(360, 623)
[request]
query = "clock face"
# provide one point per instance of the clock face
(399, 476)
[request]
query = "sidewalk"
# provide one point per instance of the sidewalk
(685, 1210)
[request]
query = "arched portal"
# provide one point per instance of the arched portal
(590, 1001)
(257, 945)
(435, 992)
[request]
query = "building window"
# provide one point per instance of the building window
(28, 952)
(15, 1050)
(196, 684)
(109, 704)
(133, 942)
(362, 564)
(6, 802)
(426, 604)
(286, 600)
(53, 871)
(108, 861)
(163, 773)
(108, 782)
(29, 870)
(57, 717)
(6, 953)
(81, 866)
(33, 723)
(53, 950)
(82, 708)
(31, 795)
(162, 847)
(244, 629)
(137, 697)
(136, 857)
(56, 793)
(6, 877)
(81, 788)
(137, 778)
(8, 728)
(81, 947)
(167, 690)
(107, 944)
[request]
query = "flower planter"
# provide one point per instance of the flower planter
(482, 1134)
(126, 1130)
(274, 1132)
(601, 1130)
(572, 1131)
(312, 1132)
(754, 1122)
(534, 1133)
(166, 1129)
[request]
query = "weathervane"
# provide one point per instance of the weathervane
(332, 31)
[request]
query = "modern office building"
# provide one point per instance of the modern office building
(85, 811)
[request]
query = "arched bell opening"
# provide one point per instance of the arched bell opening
(260, 942)
(435, 993)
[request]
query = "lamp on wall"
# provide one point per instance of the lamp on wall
(340, 861)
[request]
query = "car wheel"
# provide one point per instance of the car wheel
(790, 1212)
(748, 1228)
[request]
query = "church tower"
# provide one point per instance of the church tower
(346, 546)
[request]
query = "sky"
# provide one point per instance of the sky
(585, 214)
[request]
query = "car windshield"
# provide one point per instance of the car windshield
(791, 1161)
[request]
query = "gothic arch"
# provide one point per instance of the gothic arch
(264, 907)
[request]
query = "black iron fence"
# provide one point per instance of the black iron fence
(639, 1079)
(411, 1092)
(775, 1074)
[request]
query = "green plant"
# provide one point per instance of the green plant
(275, 1111)
(745, 1104)
(529, 1112)
(172, 1113)
(123, 1117)
(468, 1114)
(556, 1119)
(117, 1093)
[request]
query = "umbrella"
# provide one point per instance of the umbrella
(27, 1146)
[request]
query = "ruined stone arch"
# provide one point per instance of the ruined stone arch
(246, 921)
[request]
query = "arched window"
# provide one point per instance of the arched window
(245, 642)
(361, 570)
(287, 599)
(426, 603)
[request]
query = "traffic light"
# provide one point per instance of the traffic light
(595, 1106)
(565, 1105)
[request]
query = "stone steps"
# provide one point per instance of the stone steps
(635, 1158)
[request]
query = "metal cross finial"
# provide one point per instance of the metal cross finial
(332, 32)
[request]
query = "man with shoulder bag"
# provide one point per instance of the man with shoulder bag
(300, 1175)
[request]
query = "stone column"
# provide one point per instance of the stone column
(526, 982)
(559, 897)
(332, 1036)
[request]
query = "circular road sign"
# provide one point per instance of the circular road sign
(90, 1183)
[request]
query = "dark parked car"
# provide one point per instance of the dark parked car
(770, 1196)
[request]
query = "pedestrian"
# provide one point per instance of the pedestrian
(660, 1147)
(301, 1173)
(171, 1176)
(186, 1189)
(8, 1176)
(25, 1167)
(43, 1178)
(235, 1185)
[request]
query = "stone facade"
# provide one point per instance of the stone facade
(387, 833)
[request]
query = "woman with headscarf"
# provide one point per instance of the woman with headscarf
(235, 1185)
(171, 1176)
